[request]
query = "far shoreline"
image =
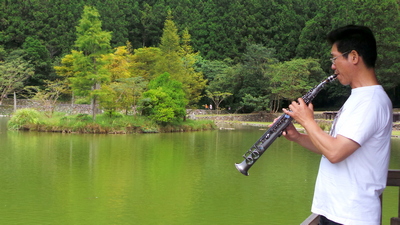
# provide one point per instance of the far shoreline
(222, 125)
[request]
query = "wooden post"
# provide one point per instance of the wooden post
(394, 180)
(313, 219)
(15, 102)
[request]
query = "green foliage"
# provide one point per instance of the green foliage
(194, 82)
(82, 117)
(88, 65)
(170, 58)
(217, 97)
(165, 100)
(30, 119)
(3, 53)
(91, 40)
(13, 73)
(256, 103)
(256, 62)
(36, 51)
(24, 117)
(221, 32)
(82, 100)
(144, 62)
(107, 97)
(152, 17)
(211, 68)
(49, 96)
(247, 78)
(293, 78)
(128, 91)
(126, 85)
(178, 59)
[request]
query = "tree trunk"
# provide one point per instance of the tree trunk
(94, 101)
(15, 102)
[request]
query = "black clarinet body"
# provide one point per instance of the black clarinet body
(275, 131)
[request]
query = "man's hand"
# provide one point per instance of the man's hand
(290, 132)
(301, 112)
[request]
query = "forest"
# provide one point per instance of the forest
(162, 56)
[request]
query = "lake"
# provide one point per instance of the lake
(169, 178)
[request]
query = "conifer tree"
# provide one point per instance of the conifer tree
(178, 60)
(194, 82)
(170, 59)
(89, 67)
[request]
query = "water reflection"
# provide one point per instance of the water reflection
(180, 178)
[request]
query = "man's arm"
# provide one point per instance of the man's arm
(292, 134)
(335, 149)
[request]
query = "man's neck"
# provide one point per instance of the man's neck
(364, 77)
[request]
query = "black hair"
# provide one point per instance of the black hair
(358, 38)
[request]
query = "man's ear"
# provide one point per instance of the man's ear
(354, 57)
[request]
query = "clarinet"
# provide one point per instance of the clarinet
(275, 131)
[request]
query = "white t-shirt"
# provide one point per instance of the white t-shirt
(348, 192)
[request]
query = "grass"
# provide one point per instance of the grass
(396, 133)
(32, 120)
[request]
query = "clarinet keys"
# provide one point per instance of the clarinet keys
(254, 153)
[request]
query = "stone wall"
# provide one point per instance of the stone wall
(225, 116)
(8, 107)
(258, 117)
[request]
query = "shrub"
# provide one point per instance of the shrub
(24, 117)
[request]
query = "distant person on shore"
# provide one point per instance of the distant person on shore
(355, 155)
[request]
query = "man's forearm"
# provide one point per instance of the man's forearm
(305, 141)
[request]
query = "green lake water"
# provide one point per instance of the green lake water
(171, 178)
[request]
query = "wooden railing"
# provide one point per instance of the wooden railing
(392, 180)
(313, 219)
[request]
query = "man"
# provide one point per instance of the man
(355, 155)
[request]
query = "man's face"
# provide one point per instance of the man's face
(340, 65)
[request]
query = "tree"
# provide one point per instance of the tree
(165, 100)
(38, 55)
(123, 94)
(256, 61)
(219, 30)
(217, 97)
(179, 60)
(151, 22)
(170, 60)
(89, 65)
(292, 79)
(144, 62)
(116, 22)
(210, 68)
(256, 103)
(108, 99)
(251, 79)
(49, 96)
(12, 75)
(119, 63)
(384, 20)
(194, 82)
